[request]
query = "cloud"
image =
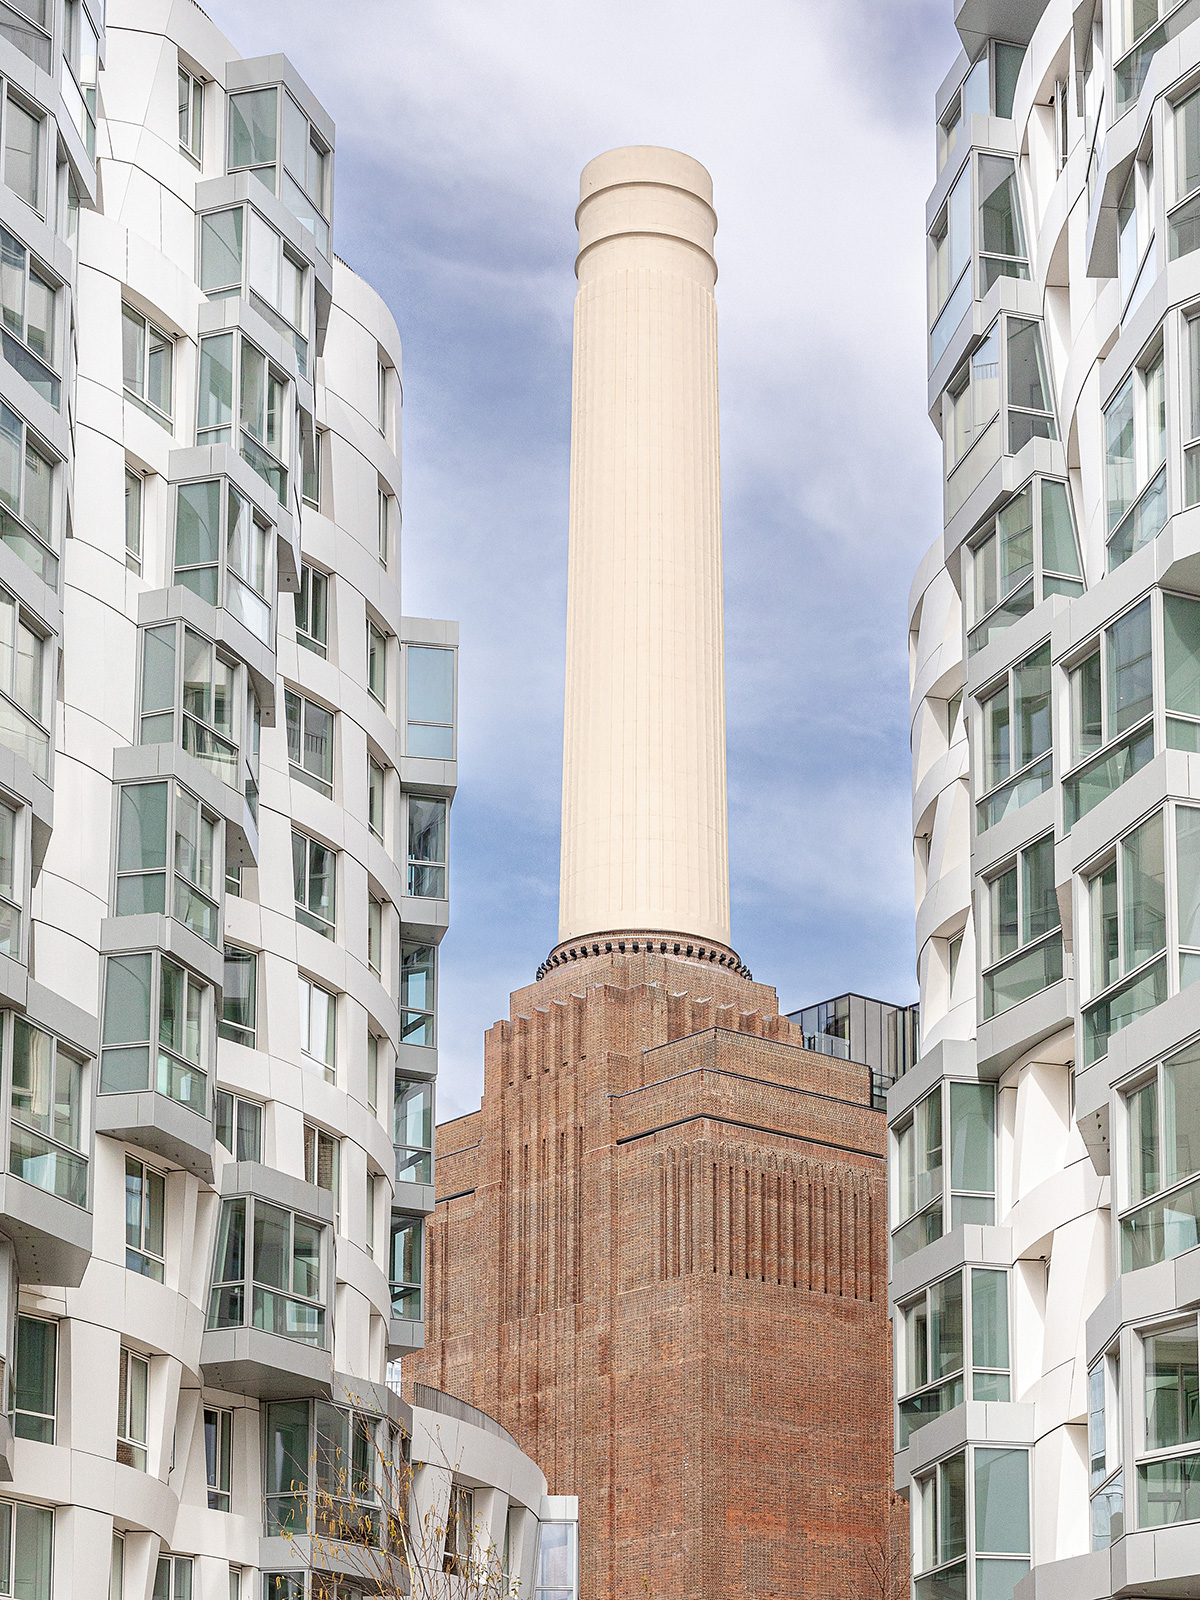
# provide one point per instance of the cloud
(461, 133)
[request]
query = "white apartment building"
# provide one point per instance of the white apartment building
(226, 765)
(1045, 1246)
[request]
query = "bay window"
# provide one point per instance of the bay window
(270, 135)
(233, 569)
(1139, 35)
(190, 692)
(1026, 553)
(230, 365)
(944, 1335)
(949, 261)
(309, 741)
(268, 1272)
(426, 848)
(148, 815)
(28, 293)
(417, 968)
(28, 28)
(154, 1008)
(987, 90)
(1030, 408)
(429, 702)
(972, 1510)
(1127, 924)
(241, 254)
(1025, 944)
(1002, 247)
(1008, 371)
(1183, 223)
(973, 399)
(1107, 1480)
(413, 1131)
(27, 470)
(48, 1133)
(1161, 1191)
(1014, 740)
(406, 1275)
(147, 355)
(81, 52)
(919, 1199)
(1169, 1474)
(1135, 450)
(328, 1467)
(1112, 704)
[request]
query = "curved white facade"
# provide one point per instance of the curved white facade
(226, 763)
(1046, 1147)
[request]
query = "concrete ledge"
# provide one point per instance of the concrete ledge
(252, 1361)
(52, 1238)
(1020, 1029)
(414, 1199)
(404, 1337)
(280, 1188)
(155, 1122)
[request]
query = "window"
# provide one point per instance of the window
(238, 1125)
(460, 1530)
(1112, 700)
(27, 497)
(28, 28)
(417, 966)
(48, 1134)
(132, 1394)
(377, 653)
(272, 276)
(191, 115)
(429, 689)
(1135, 449)
(134, 492)
(426, 848)
(312, 610)
(265, 124)
(413, 1132)
(375, 934)
(147, 355)
(339, 1453)
(23, 151)
(987, 90)
(1169, 1481)
(1135, 235)
(116, 1569)
(383, 386)
(24, 702)
(1030, 411)
(1013, 740)
(318, 1025)
(35, 1379)
(12, 881)
(375, 793)
(1191, 429)
(190, 680)
(407, 1268)
(949, 259)
(28, 293)
(26, 1548)
(235, 1583)
(218, 1456)
(322, 1154)
(1127, 923)
(557, 1560)
(1104, 1451)
(313, 867)
(385, 524)
(1162, 1116)
(276, 1285)
(982, 1516)
(372, 1073)
(972, 400)
(310, 461)
(1137, 37)
(935, 1329)
(1181, 670)
(80, 53)
(239, 997)
(1025, 946)
(145, 1200)
(1184, 222)
(919, 1202)
(230, 365)
(1025, 554)
(149, 814)
(173, 1578)
(1001, 235)
(310, 741)
(234, 571)
(153, 1006)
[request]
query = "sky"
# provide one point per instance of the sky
(462, 126)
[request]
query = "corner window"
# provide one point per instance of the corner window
(1014, 740)
(134, 495)
(1135, 449)
(317, 1453)
(148, 815)
(231, 366)
(318, 1026)
(987, 90)
(218, 1457)
(313, 870)
(1127, 936)
(29, 293)
(190, 691)
(1001, 235)
(1168, 1476)
(413, 1131)
(429, 689)
(1138, 36)
(426, 848)
(267, 124)
(277, 1283)
(1027, 553)
(28, 28)
(1030, 409)
(942, 1334)
(27, 470)
(268, 273)
(312, 610)
(145, 1210)
(417, 968)
(238, 1125)
(1112, 702)
(407, 1272)
(35, 1379)
(919, 1198)
(147, 355)
(1162, 1195)
(1107, 1481)
(1025, 954)
(191, 115)
(309, 741)
(239, 999)
(48, 1136)
(227, 564)
(23, 128)
(973, 1509)
(153, 1008)
(973, 399)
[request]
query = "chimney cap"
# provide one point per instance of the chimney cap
(645, 163)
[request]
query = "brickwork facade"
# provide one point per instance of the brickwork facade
(658, 1258)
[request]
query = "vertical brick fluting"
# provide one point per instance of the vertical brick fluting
(659, 1259)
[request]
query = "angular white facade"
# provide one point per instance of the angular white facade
(1046, 1147)
(226, 763)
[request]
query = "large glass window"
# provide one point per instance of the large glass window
(413, 1131)
(1135, 449)
(987, 90)
(328, 1467)
(919, 1200)
(1030, 407)
(237, 1124)
(190, 692)
(312, 610)
(943, 1335)
(153, 1008)
(48, 1136)
(28, 295)
(1002, 251)
(1135, 235)
(132, 1409)
(35, 1379)
(1127, 921)
(24, 700)
(147, 355)
(313, 873)
(269, 134)
(973, 399)
(218, 1457)
(417, 969)
(310, 741)
(1013, 740)
(978, 1518)
(1107, 1480)
(318, 1026)
(557, 1560)
(1138, 37)
(1025, 944)
(12, 881)
(1026, 553)
(1162, 1194)
(230, 365)
(1168, 1475)
(268, 1271)
(407, 1273)
(231, 569)
(1181, 670)
(23, 141)
(949, 259)
(1112, 700)
(145, 1210)
(81, 62)
(28, 28)
(26, 1549)
(242, 254)
(426, 848)
(149, 814)
(429, 689)
(27, 470)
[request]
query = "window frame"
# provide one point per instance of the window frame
(423, 870)
(140, 1235)
(41, 1425)
(985, 623)
(191, 115)
(303, 706)
(236, 1103)
(180, 892)
(218, 1463)
(222, 749)
(69, 1166)
(177, 1069)
(308, 988)
(293, 331)
(270, 461)
(243, 1299)
(919, 1219)
(149, 330)
(231, 591)
(232, 1031)
(305, 915)
(321, 202)
(1049, 942)
(1000, 796)
(1136, 741)
(313, 582)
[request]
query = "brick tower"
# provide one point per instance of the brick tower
(658, 1255)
